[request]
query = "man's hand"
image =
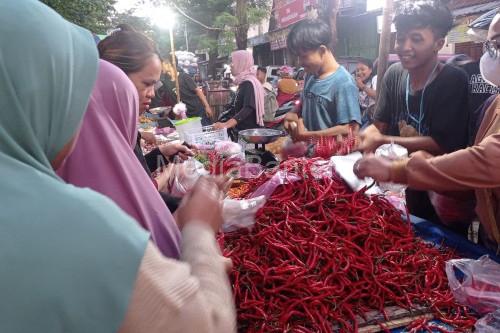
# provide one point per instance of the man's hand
(407, 131)
(291, 121)
(228, 124)
(148, 137)
(378, 168)
(209, 112)
(370, 140)
(203, 204)
(219, 126)
(170, 150)
(299, 133)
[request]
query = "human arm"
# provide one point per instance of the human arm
(479, 168)
(247, 109)
(344, 113)
(189, 296)
(450, 102)
(371, 139)
(363, 87)
(302, 134)
(227, 124)
(208, 110)
(160, 156)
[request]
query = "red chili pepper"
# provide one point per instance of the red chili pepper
(320, 256)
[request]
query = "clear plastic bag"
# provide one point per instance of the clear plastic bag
(267, 189)
(479, 288)
(393, 152)
(183, 176)
(239, 214)
(489, 323)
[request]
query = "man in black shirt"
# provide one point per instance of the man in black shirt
(192, 95)
(479, 90)
(423, 103)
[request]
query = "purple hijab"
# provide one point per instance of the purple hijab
(103, 158)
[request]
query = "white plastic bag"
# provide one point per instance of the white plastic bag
(489, 323)
(180, 110)
(239, 214)
(393, 152)
(344, 166)
(228, 148)
(183, 176)
(480, 287)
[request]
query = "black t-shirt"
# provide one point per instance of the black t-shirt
(479, 90)
(188, 88)
(165, 95)
(445, 113)
(243, 107)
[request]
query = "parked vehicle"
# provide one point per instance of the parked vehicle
(282, 111)
(273, 75)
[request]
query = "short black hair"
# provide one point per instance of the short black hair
(262, 69)
(433, 14)
(366, 62)
(309, 35)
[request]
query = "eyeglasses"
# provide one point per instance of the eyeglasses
(491, 46)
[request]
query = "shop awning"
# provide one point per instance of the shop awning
(476, 9)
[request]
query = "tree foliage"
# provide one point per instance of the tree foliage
(141, 24)
(94, 15)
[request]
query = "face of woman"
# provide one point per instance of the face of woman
(363, 71)
(145, 81)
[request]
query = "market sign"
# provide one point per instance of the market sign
(292, 11)
(278, 39)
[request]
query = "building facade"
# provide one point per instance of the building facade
(358, 27)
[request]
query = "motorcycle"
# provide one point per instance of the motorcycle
(279, 117)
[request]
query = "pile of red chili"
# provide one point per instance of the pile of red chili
(321, 256)
(221, 165)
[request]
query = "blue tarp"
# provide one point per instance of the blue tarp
(439, 234)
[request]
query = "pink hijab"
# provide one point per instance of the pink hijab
(243, 71)
(103, 158)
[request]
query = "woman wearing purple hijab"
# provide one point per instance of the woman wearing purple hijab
(103, 158)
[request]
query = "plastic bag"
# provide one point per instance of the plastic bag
(183, 176)
(489, 323)
(344, 166)
(228, 148)
(250, 170)
(239, 214)
(393, 152)
(292, 149)
(224, 165)
(180, 110)
(480, 287)
(452, 209)
(267, 189)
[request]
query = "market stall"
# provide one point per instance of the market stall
(320, 257)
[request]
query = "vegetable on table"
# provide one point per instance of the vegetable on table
(321, 256)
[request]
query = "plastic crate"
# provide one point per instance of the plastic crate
(208, 137)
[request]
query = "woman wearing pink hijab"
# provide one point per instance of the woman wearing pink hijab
(103, 158)
(247, 108)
